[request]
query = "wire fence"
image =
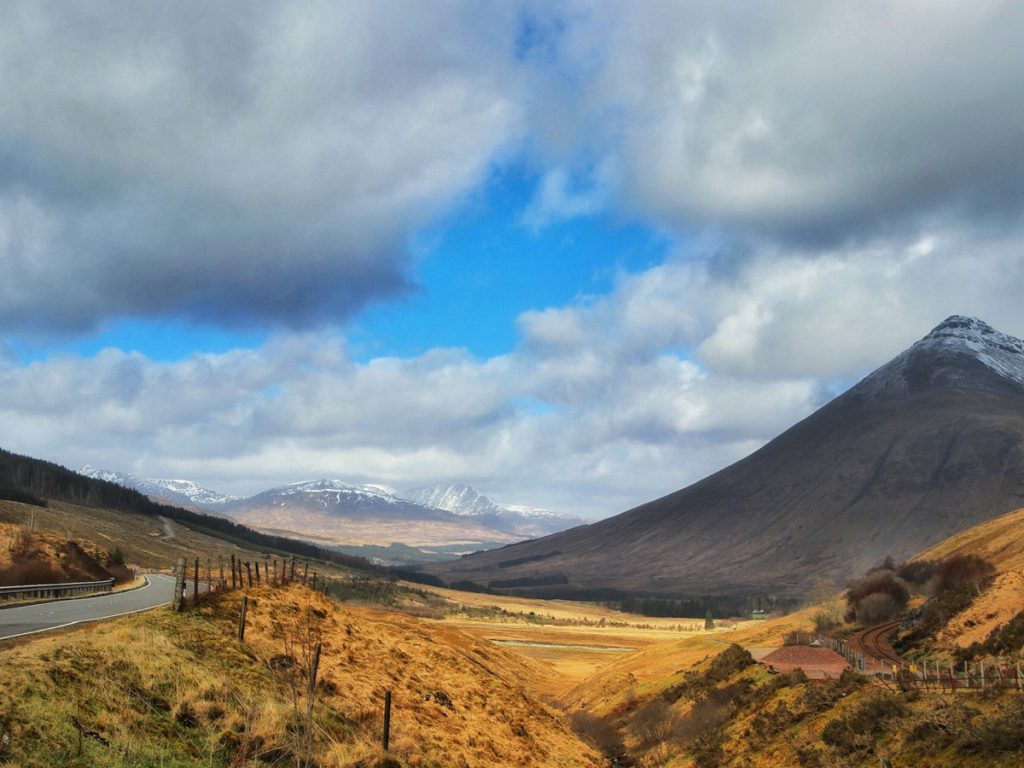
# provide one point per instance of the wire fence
(1004, 674)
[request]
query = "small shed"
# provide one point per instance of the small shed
(817, 663)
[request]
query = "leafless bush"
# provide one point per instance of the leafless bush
(876, 608)
(654, 723)
(29, 572)
(875, 584)
(296, 667)
(597, 731)
(826, 620)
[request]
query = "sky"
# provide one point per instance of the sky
(574, 254)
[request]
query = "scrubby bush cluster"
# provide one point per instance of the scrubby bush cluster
(863, 725)
(695, 684)
(877, 597)
(1005, 639)
(954, 583)
(950, 584)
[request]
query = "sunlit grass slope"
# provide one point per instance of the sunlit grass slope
(161, 689)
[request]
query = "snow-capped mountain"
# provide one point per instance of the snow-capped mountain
(957, 352)
(930, 443)
(339, 497)
(177, 491)
(522, 520)
(335, 511)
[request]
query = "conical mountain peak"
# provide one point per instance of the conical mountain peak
(961, 352)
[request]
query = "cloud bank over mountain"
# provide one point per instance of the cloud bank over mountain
(833, 179)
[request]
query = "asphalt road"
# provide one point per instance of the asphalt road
(29, 619)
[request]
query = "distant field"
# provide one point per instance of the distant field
(569, 624)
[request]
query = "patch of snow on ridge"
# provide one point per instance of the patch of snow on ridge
(956, 335)
(337, 487)
(194, 491)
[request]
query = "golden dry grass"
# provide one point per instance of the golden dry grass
(1001, 542)
(141, 539)
(178, 690)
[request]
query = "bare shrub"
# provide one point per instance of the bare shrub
(597, 731)
(653, 723)
(998, 733)
(917, 571)
(879, 583)
(826, 620)
(861, 728)
(29, 572)
(964, 571)
(876, 608)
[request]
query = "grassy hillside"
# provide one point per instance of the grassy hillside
(1001, 542)
(179, 690)
(42, 483)
(697, 701)
(143, 540)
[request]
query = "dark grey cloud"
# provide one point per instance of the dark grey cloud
(815, 123)
(236, 163)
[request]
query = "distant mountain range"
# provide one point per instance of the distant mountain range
(335, 512)
(928, 445)
(183, 492)
(465, 501)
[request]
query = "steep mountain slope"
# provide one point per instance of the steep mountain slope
(463, 500)
(185, 492)
(332, 510)
(927, 445)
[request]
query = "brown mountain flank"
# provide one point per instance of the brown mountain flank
(929, 444)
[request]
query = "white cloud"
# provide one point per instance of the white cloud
(806, 120)
(260, 167)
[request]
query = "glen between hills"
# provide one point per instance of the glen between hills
(929, 444)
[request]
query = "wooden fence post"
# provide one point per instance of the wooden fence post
(241, 618)
(292, 578)
(314, 667)
(209, 575)
(313, 582)
(257, 573)
(195, 583)
(273, 580)
(305, 573)
(233, 582)
(248, 570)
(179, 583)
(387, 719)
(220, 564)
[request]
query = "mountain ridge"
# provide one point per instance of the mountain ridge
(929, 443)
(466, 501)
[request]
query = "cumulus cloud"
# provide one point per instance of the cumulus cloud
(262, 167)
(838, 178)
(812, 122)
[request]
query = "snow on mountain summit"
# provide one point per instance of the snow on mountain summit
(951, 354)
(180, 491)
(329, 486)
(468, 502)
(455, 497)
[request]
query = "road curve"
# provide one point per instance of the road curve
(29, 619)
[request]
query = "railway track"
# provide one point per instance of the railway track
(874, 644)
